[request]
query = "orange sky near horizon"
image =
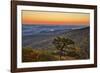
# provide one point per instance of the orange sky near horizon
(54, 18)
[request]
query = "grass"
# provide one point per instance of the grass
(36, 55)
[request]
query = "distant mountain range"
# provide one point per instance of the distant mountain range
(47, 29)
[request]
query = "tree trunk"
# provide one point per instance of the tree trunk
(60, 56)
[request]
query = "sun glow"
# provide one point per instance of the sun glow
(54, 18)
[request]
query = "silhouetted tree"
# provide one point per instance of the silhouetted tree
(62, 43)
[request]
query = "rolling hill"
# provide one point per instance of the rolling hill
(44, 41)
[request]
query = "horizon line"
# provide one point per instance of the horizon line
(59, 25)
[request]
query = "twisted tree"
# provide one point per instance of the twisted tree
(62, 43)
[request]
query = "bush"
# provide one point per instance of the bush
(34, 55)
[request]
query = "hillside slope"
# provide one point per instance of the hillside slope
(79, 36)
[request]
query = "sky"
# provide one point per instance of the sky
(54, 18)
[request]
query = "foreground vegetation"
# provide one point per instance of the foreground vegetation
(64, 49)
